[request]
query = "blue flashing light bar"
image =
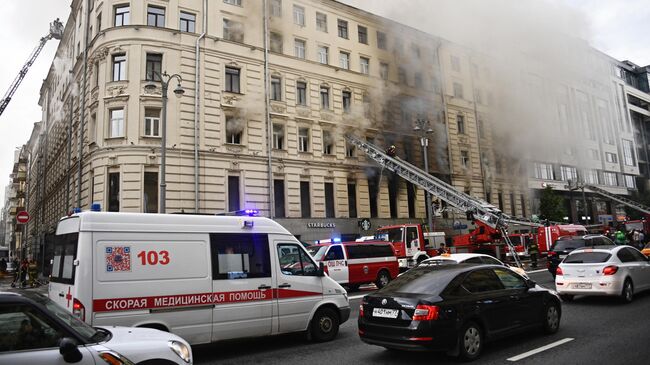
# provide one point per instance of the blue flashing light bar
(76, 210)
(337, 240)
(95, 207)
(248, 212)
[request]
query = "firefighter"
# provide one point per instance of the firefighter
(533, 251)
(391, 151)
(32, 270)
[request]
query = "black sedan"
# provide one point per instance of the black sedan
(455, 308)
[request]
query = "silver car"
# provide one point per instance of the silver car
(606, 270)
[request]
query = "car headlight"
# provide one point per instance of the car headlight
(181, 350)
(113, 358)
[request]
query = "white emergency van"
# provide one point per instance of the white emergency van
(205, 278)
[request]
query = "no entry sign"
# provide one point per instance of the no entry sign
(22, 217)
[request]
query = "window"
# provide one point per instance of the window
(381, 40)
(324, 97)
(276, 8)
(278, 194)
(543, 171)
(335, 253)
(299, 48)
(458, 90)
(510, 280)
(629, 181)
(305, 200)
(482, 281)
(233, 193)
(464, 158)
(364, 65)
(299, 15)
(119, 67)
(232, 79)
(591, 177)
(152, 122)
(401, 75)
(383, 70)
(27, 329)
(347, 101)
(627, 255)
(568, 173)
(349, 150)
(234, 129)
(276, 42)
(344, 60)
(116, 123)
(233, 31)
(114, 192)
(323, 54)
(187, 22)
(233, 2)
(343, 28)
(276, 88)
(155, 16)
(455, 63)
(460, 123)
(99, 22)
(352, 200)
(373, 192)
(328, 143)
(628, 153)
(513, 210)
(523, 205)
(610, 178)
(154, 67)
(321, 22)
(611, 157)
(240, 256)
(329, 200)
(295, 261)
(363, 34)
(121, 15)
(301, 93)
(65, 252)
(416, 51)
(150, 198)
(278, 136)
(303, 139)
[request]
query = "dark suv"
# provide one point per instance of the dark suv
(564, 245)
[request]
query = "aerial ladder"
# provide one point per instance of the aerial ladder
(474, 208)
(617, 198)
(56, 32)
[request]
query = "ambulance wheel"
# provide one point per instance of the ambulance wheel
(383, 278)
(324, 325)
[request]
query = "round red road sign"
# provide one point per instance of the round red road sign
(22, 217)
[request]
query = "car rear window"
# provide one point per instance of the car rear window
(562, 245)
(429, 279)
(587, 258)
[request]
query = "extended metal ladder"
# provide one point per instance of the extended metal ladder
(630, 203)
(478, 209)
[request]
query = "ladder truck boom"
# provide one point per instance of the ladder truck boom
(56, 32)
(617, 198)
(473, 207)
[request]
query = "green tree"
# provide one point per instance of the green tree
(551, 206)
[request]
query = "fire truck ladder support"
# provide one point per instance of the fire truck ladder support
(56, 32)
(617, 198)
(467, 204)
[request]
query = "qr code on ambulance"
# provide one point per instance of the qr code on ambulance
(118, 258)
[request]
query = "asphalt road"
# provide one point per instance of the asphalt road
(592, 331)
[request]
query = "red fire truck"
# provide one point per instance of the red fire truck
(409, 242)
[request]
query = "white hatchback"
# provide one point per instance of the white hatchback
(35, 330)
(615, 271)
(470, 258)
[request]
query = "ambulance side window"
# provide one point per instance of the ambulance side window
(335, 253)
(65, 252)
(295, 261)
(240, 256)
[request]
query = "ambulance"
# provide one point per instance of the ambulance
(356, 263)
(205, 278)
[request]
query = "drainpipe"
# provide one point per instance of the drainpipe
(480, 154)
(82, 110)
(67, 187)
(269, 126)
(197, 84)
(444, 113)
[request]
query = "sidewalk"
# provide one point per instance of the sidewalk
(5, 284)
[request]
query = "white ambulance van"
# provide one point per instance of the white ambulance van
(205, 278)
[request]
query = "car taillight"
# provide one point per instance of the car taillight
(78, 309)
(558, 271)
(361, 310)
(552, 253)
(425, 313)
(610, 270)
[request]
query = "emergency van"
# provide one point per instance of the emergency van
(205, 278)
(355, 263)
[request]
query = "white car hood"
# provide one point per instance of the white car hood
(139, 344)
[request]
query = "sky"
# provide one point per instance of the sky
(616, 27)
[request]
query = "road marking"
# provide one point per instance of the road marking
(540, 349)
(536, 271)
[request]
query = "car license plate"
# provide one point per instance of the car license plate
(582, 285)
(385, 313)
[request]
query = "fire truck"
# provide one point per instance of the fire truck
(409, 243)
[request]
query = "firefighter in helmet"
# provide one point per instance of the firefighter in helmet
(533, 251)
(391, 151)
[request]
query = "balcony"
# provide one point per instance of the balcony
(19, 176)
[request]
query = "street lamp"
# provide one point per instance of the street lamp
(164, 80)
(423, 128)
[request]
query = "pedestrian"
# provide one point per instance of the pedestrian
(24, 266)
(3, 265)
(619, 237)
(443, 249)
(641, 242)
(32, 270)
(533, 251)
(635, 238)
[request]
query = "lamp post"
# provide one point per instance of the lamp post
(164, 80)
(423, 128)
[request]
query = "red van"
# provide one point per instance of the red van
(356, 263)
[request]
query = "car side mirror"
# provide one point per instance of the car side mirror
(321, 269)
(68, 348)
(531, 284)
